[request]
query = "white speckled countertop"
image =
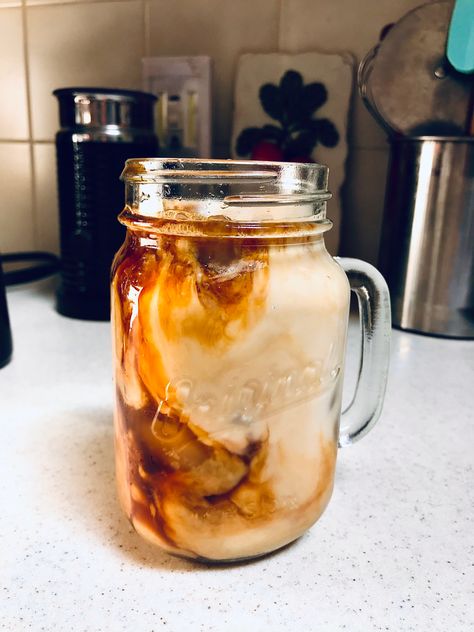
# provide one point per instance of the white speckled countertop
(393, 551)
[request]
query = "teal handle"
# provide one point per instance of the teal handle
(460, 47)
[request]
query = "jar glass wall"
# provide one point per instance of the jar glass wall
(230, 322)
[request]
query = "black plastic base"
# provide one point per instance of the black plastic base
(4, 360)
(83, 306)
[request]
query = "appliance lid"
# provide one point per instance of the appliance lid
(104, 107)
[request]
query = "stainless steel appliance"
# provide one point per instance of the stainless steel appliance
(427, 245)
(425, 105)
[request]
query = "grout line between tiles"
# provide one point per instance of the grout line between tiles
(146, 27)
(30, 123)
(63, 3)
(280, 15)
(26, 141)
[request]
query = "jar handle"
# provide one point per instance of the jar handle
(375, 320)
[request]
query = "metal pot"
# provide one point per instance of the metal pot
(427, 246)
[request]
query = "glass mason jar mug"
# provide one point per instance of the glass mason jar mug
(230, 321)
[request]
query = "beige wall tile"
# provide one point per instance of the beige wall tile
(46, 206)
(13, 104)
(223, 30)
(364, 201)
(6, 4)
(96, 44)
(364, 131)
(338, 25)
(16, 209)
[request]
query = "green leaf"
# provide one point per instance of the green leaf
(271, 101)
(291, 83)
(272, 132)
(326, 132)
(314, 96)
(291, 90)
(247, 140)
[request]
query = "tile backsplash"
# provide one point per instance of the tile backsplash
(13, 104)
(97, 44)
(48, 44)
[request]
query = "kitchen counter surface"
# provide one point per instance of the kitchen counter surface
(393, 551)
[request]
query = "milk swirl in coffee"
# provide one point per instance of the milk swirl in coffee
(229, 355)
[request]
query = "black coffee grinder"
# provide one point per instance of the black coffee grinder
(100, 129)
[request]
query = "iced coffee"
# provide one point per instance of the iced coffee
(229, 350)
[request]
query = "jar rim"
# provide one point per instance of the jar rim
(172, 193)
(308, 179)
